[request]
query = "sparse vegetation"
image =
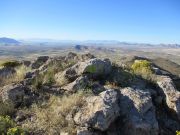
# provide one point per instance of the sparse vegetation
(5, 124)
(51, 117)
(143, 69)
(18, 76)
(6, 108)
(8, 127)
(9, 64)
(47, 109)
(16, 131)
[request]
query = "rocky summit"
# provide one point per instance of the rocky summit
(79, 94)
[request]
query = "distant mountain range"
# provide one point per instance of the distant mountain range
(83, 44)
(7, 41)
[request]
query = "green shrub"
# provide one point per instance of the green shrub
(16, 131)
(5, 124)
(143, 68)
(10, 64)
(48, 77)
(37, 82)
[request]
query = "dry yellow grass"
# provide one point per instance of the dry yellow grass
(52, 117)
(16, 77)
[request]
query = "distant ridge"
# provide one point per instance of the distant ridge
(5, 40)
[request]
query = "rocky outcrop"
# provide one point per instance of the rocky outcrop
(99, 111)
(79, 84)
(170, 94)
(4, 72)
(13, 93)
(138, 111)
(87, 56)
(39, 62)
(68, 75)
(93, 67)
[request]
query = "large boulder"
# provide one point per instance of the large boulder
(99, 111)
(171, 95)
(13, 93)
(95, 67)
(138, 111)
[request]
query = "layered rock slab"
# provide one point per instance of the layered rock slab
(100, 111)
(138, 111)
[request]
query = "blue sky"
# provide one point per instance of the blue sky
(150, 21)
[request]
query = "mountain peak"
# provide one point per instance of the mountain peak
(5, 40)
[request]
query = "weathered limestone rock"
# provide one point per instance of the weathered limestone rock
(172, 96)
(13, 93)
(100, 111)
(94, 67)
(136, 105)
(78, 84)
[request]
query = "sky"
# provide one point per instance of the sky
(147, 21)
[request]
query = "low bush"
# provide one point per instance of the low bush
(5, 124)
(143, 69)
(10, 64)
(16, 131)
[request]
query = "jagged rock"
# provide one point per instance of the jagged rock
(95, 67)
(13, 93)
(6, 71)
(97, 88)
(67, 75)
(87, 56)
(39, 62)
(171, 95)
(100, 111)
(78, 84)
(156, 70)
(71, 56)
(31, 74)
(26, 63)
(136, 105)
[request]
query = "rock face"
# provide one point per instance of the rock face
(172, 96)
(39, 62)
(13, 93)
(4, 72)
(78, 84)
(100, 111)
(136, 106)
(95, 67)
(87, 56)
